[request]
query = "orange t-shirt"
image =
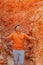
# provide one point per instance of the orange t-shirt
(18, 39)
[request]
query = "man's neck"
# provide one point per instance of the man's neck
(18, 32)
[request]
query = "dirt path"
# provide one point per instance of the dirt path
(10, 61)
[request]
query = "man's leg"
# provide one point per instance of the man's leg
(15, 54)
(21, 57)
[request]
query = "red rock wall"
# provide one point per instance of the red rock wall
(27, 13)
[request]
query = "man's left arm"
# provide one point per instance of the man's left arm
(30, 37)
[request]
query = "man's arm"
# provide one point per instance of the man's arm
(3, 37)
(30, 37)
(8, 37)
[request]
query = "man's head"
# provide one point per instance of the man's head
(18, 28)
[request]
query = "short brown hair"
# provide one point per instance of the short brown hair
(16, 26)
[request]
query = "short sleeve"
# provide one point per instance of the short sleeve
(10, 36)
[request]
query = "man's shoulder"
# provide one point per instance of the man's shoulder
(13, 33)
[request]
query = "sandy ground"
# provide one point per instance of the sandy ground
(10, 61)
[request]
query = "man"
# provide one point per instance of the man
(18, 38)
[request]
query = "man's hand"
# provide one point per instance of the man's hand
(3, 37)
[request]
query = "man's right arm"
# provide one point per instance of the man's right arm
(3, 37)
